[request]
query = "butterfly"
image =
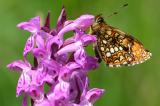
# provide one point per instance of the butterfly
(115, 47)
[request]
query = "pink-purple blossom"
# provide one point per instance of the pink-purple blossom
(60, 63)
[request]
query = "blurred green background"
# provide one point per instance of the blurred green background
(126, 86)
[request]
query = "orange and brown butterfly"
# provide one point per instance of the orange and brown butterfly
(116, 47)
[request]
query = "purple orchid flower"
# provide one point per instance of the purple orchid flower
(61, 64)
(74, 92)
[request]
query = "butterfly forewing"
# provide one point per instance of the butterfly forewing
(117, 48)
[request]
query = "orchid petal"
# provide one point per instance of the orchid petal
(24, 102)
(54, 40)
(40, 42)
(82, 23)
(23, 83)
(33, 25)
(18, 65)
(46, 26)
(88, 39)
(29, 46)
(70, 48)
(80, 56)
(90, 63)
(39, 53)
(61, 20)
(94, 94)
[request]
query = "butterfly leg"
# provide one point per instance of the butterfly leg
(97, 54)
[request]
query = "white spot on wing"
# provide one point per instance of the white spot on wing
(102, 48)
(120, 48)
(104, 41)
(110, 65)
(111, 50)
(109, 32)
(133, 64)
(106, 36)
(125, 62)
(121, 58)
(116, 49)
(129, 59)
(116, 34)
(108, 54)
(150, 54)
(118, 65)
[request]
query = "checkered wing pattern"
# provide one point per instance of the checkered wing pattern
(117, 48)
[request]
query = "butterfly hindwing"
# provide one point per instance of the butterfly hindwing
(117, 48)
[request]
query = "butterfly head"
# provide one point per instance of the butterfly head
(98, 24)
(99, 19)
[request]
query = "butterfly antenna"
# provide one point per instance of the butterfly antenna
(118, 10)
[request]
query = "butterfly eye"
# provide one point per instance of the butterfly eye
(99, 20)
